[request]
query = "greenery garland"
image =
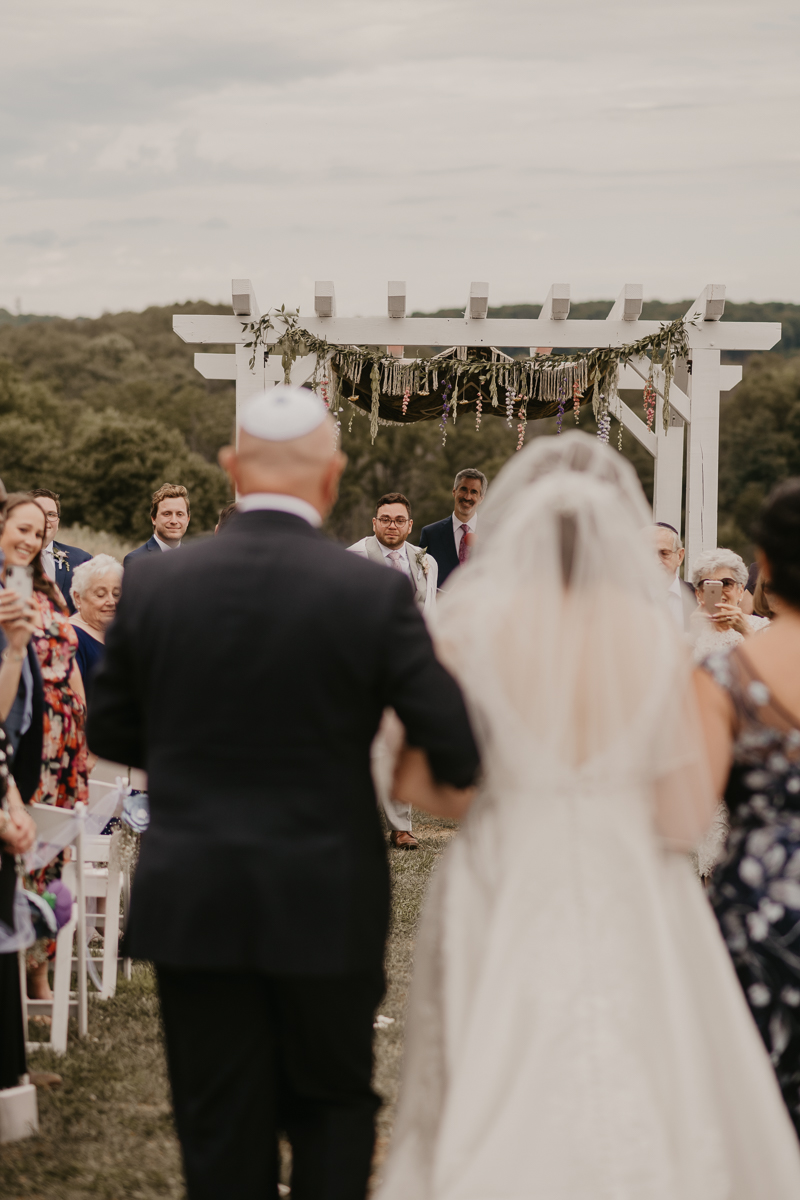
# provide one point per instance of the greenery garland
(432, 387)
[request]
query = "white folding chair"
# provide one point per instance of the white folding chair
(58, 1009)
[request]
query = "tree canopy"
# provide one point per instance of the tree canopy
(105, 410)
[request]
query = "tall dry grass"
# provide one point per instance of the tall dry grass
(94, 542)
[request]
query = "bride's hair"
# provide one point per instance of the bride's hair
(558, 627)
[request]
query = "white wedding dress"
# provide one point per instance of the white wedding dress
(576, 1030)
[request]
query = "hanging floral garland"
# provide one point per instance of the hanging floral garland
(395, 391)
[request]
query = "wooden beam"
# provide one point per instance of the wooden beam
(243, 299)
(324, 298)
(678, 399)
(478, 302)
(619, 409)
(461, 331)
(709, 305)
(556, 304)
(628, 304)
(216, 366)
(397, 298)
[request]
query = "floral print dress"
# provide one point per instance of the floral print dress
(64, 752)
(755, 888)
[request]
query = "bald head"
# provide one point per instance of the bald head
(308, 467)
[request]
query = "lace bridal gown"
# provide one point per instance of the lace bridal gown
(576, 1030)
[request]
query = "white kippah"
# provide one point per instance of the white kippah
(282, 414)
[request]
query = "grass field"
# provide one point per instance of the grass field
(108, 1132)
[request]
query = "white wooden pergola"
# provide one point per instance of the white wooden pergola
(694, 396)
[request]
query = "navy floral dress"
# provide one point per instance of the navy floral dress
(755, 888)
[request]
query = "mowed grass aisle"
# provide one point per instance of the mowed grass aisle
(108, 1131)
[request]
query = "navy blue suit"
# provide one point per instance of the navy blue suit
(147, 548)
(439, 540)
(64, 570)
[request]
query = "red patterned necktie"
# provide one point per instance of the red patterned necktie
(463, 549)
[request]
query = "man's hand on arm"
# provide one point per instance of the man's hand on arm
(17, 826)
(414, 784)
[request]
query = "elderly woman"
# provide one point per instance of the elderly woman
(729, 625)
(95, 591)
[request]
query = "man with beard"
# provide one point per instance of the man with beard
(448, 541)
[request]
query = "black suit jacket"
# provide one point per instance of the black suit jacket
(252, 704)
(439, 540)
(26, 748)
(148, 548)
(65, 570)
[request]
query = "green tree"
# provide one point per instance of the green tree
(116, 463)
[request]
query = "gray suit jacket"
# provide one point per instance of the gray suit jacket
(424, 571)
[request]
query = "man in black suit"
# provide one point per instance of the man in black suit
(58, 559)
(170, 514)
(262, 891)
(448, 541)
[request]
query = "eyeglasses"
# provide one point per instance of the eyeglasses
(400, 522)
(726, 583)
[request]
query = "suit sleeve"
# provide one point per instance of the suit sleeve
(115, 719)
(424, 695)
(423, 538)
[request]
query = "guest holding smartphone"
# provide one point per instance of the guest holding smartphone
(63, 777)
(719, 578)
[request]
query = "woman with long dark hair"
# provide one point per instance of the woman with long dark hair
(750, 698)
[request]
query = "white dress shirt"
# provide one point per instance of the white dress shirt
(459, 532)
(49, 562)
(277, 502)
(675, 602)
(164, 545)
(402, 563)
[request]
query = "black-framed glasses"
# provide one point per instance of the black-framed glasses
(400, 522)
(726, 583)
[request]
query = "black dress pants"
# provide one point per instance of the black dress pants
(252, 1055)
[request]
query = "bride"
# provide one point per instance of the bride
(576, 1030)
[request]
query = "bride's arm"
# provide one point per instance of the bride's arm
(414, 784)
(716, 720)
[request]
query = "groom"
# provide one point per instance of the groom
(389, 546)
(262, 891)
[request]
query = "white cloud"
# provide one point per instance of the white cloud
(164, 148)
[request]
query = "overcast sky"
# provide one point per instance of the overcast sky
(151, 150)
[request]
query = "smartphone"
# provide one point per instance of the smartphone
(20, 580)
(712, 594)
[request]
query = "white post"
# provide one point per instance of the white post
(668, 478)
(702, 462)
(80, 867)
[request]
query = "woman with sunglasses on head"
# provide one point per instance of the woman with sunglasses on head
(750, 705)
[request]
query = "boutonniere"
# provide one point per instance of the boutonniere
(423, 562)
(61, 558)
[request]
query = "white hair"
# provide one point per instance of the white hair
(86, 574)
(714, 560)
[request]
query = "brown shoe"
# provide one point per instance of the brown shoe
(402, 840)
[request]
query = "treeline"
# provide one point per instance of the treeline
(105, 410)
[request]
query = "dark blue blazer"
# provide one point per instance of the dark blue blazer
(440, 542)
(145, 549)
(26, 748)
(64, 571)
